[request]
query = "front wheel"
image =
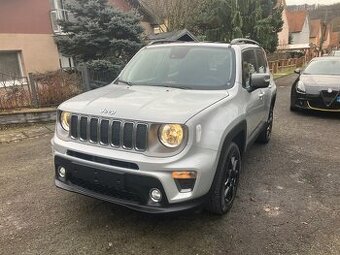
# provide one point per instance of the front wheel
(226, 181)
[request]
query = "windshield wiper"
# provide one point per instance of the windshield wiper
(124, 82)
(172, 86)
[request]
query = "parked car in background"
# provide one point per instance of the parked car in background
(318, 86)
(170, 132)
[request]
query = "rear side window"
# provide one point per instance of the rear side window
(249, 66)
(261, 61)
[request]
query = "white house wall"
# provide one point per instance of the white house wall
(303, 36)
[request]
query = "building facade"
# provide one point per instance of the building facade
(26, 38)
(27, 30)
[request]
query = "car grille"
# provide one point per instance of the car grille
(117, 133)
(319, 102)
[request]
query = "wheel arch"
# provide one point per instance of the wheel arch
(238, 135)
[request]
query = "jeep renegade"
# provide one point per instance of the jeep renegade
(170, 132)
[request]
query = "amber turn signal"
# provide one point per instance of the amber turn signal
(184, 175)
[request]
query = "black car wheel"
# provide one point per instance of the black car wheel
(226, 181)
(266, 133)
(293, 108)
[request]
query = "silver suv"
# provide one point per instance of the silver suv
(170, 132)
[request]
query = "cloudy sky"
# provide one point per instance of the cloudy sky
(290, 2)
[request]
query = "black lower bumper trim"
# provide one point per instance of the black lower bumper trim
(129, 190)
(171, 208)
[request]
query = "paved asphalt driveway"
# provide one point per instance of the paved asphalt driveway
(288, 201)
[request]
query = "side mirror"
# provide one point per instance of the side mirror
(259, 80)
(297, 70)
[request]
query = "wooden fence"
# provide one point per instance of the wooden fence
(282, 65)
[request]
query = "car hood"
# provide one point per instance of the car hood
(315, 83)
(143, 103)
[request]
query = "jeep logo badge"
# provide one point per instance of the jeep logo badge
(108, 112)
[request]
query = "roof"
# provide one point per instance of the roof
(127, 5)
(296, 20)
(315, 27)
(180, 35)
(144, 10)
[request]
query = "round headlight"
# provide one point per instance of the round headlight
(65, 119)
(171, 135)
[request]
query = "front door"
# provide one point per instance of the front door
(256, 98)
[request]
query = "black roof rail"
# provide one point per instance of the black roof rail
(164, 41)
(243, 41)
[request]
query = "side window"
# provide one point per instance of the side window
(248, 66)
(261, 61)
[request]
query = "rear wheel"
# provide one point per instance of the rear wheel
(226, 181)
(266, 133)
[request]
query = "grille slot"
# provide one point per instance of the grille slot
(141, 136)
(83, 128)
(121, 134)
(104, 132)
(116, 133)
(74, 127)
(127, 135)
(94, 130)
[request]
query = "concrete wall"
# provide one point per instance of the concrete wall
(38, 51)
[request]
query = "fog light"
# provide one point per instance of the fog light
(155, 195)
(62, 172)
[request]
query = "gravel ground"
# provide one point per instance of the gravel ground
(288, 201)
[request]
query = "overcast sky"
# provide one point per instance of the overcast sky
(290, 2)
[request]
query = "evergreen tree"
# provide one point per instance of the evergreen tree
(256, 19)
(99, 35)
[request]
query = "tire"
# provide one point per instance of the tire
(266, 133)
(293, 108)
(223, 191)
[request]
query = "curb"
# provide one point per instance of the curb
(28, 116)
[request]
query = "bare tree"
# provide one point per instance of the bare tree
(175, 14)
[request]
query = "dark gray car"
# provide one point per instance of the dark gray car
(318, 86)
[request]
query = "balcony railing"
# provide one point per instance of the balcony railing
(56, 16)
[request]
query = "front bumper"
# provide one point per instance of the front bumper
(127, 190)
(315, 102)
(126, 178)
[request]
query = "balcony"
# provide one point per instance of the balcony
(57, 15)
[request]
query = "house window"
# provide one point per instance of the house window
(65, 62)
(10, 65)
(57, 4)
(57, 13)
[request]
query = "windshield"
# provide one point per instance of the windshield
(187, 67)
(323, 67)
